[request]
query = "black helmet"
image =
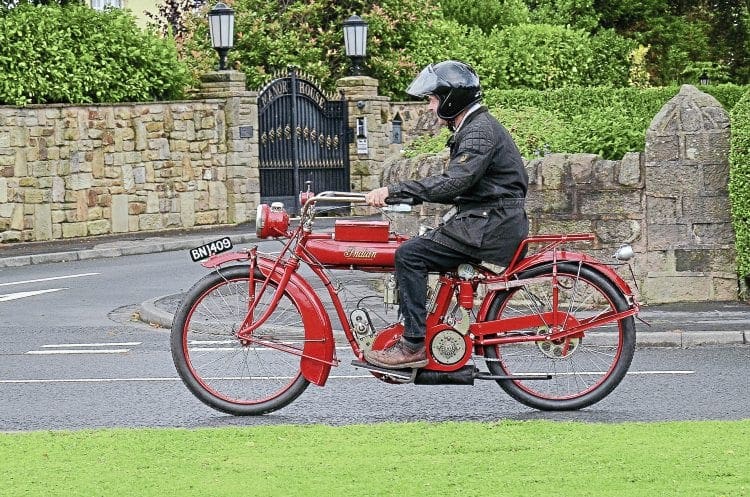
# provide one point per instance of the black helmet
(454, 83)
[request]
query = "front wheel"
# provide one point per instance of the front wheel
(583, 368)
(224, 373)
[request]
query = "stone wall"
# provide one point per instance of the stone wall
(73, 171)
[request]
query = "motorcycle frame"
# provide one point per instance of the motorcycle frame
(318, 353)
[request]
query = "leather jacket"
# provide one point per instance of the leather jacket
(486, 181)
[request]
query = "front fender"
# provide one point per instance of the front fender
(319, 349)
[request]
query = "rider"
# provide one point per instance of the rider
(486, 182)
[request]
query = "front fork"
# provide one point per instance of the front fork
(250, 323)
(317, 355)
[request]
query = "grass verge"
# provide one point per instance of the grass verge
(507, 458)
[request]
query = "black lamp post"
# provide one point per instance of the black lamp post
(704, 80)
(221, 24)
(355, 41)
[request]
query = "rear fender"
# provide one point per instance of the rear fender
(319, 349)
(567, 256)
(563, 256)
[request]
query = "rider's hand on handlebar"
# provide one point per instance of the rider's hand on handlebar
(377, 196)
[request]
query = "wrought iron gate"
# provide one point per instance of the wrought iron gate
(303, 136)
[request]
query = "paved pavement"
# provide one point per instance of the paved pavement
(674, 325)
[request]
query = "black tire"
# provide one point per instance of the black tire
(222, 372)
(584, 370)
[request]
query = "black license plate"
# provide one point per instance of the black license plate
(211, 248)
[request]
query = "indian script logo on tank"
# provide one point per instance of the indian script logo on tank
(359, 253)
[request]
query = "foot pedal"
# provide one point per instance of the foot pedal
(401, 374)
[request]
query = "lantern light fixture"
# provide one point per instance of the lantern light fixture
(355, 42)
(221, 25)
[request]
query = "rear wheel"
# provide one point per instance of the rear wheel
(224, 373)
(583, 368)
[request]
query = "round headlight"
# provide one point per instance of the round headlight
(261, 217)
(271, 221)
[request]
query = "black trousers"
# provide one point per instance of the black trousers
(415, 258)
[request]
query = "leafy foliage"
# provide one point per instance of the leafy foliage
(8, 4)
(739, 183)
(486, 14)
(427, 144)
(534, 56)
(535, 131)
(577, 14)
(92, 57)
(405, 36)
(679, 32)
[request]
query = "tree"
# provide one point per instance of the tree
(9, 4)
(684, 34)
(486, 14)
(172, 14)
(729, 35)
(75, 54)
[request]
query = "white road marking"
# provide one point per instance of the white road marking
(163, 379)
(83, 348)
(21, 295)
(662, 372)
(93, 351)
(602, 373)
(109, 344)
(239, 347)
(52, 278)
(89, 380)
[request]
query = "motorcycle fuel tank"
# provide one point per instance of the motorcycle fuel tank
(366, 244)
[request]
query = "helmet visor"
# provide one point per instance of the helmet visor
(424, 84)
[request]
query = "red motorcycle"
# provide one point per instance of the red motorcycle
(555, 328)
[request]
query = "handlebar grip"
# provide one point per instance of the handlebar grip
(399, 200)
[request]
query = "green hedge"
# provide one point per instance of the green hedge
(739, 184)
(606, 121)
(75, 54)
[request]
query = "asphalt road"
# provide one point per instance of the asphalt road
(74, 355)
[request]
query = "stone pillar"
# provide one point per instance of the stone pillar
(690, 243)
(363, 101)
(221, 84)
(242, 183)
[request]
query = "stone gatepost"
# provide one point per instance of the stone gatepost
(242, 181)
(366, 106)
(690, 243)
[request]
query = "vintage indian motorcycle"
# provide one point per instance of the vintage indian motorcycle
(555, 328)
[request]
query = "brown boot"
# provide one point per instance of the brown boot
(399, 355)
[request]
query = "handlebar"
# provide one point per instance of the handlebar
(348, 198)
(332, 196)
